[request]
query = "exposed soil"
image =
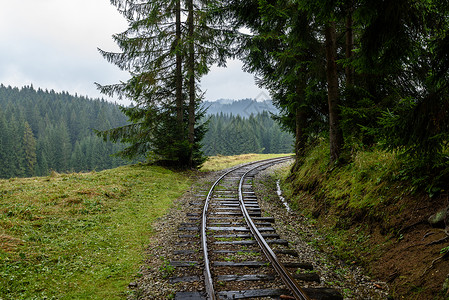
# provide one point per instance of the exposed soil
(413, 264)
(403, 248)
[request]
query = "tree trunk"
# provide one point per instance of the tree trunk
(300, 142)
(178, 72)
(300, 119)
(349, 72)
(191, 78)
(335, 133)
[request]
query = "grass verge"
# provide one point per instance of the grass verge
(219, 162)
(347, 199)
(77, 236)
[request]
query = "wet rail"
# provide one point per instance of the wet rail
(276, 264)
(243, 257)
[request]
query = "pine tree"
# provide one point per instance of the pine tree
(16, 157)
(77, 159)
(152, 53)
(3, 145)
(407, 43)
(166, 56)
(29, 147)
(335, 132)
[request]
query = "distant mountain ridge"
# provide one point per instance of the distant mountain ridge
(242, 107)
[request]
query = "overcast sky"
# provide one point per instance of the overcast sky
(52, 44)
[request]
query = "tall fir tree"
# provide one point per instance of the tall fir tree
(385, 72)
(29, 148)
(168, 46)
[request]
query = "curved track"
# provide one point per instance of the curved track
(286, 277)
(237, 253)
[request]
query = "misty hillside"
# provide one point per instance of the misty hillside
(243, 107)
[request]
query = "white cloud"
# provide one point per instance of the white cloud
(78, 24)
(230, 83)
(53, 44)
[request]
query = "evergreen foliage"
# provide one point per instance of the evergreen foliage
(168, 46)
(232, 135)
(378, 68)
(42, 131)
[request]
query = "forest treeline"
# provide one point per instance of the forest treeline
(241, 107)
(361, 74)
(41, 131)
(232, 135)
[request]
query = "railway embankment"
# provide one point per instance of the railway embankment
(367, 215)
(174, 269)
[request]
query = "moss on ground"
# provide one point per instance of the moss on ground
(368, 216)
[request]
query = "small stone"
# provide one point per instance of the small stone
(445, 289)
(439, 219)
(132, 285)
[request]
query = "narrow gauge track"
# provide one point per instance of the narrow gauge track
(234, 233)
(243, 256)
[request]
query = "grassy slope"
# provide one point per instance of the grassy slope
(367, 216)
(80, 235)
(222, 162)
(75, 236)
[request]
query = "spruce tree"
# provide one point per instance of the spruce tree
(166, 55)
(3, 145)
(284, 51)
(29, 148)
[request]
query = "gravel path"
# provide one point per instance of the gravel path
(153, 279)
(153, 282)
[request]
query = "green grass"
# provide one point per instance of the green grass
(83, 236)
(341, 198)
(80, 235)
(216, 163)
(361, 184)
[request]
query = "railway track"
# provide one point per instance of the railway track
(241, 255)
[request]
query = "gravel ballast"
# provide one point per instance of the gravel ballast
(155, 279)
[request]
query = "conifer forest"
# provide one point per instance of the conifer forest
(44, 131)
(360, 74)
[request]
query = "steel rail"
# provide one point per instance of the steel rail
(210, 291)
(286, 277)
(207, 274)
